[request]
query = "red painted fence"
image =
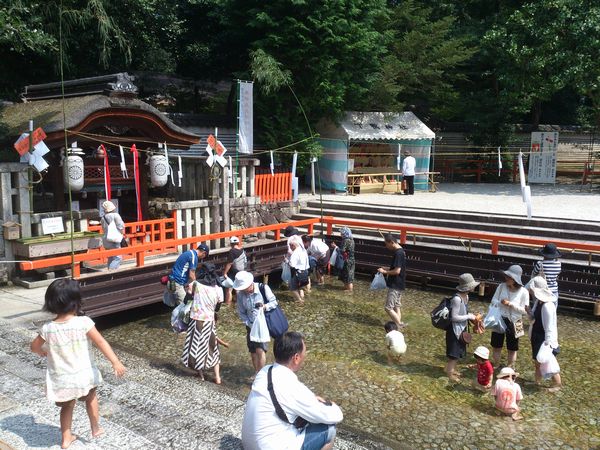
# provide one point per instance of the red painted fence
(273, 188)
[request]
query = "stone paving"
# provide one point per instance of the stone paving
(152, 407)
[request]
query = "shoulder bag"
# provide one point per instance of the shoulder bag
(277, 323)
(300, 422)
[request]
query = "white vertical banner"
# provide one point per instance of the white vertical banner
(499, 162)
(542, 157)
(294, 179)
(246, 118)
(272, 165)
(521, 171)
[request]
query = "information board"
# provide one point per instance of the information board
(542, 157)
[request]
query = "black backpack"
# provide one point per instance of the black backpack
(441, 314)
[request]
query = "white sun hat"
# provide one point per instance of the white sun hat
(243, 280)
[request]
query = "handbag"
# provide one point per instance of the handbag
(302, 277)
(518, 328)
(277, 323)
(113, 234)
(465, 337)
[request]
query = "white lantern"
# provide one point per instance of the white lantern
(159, 170)
(73, 174)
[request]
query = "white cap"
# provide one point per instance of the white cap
(482, 352)
(234, 240)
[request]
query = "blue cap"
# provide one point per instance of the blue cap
(204, 248)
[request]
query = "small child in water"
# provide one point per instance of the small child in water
(394, 342)
(485, 371)
(508, 393)
(67, 343)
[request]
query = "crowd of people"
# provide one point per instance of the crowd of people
(280, 408)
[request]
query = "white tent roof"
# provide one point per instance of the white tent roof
(384, 126)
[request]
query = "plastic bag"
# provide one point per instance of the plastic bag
(286, 273)
(548, 363)
(112, 234)
(493, 320)
(227, 283)
(180, 317)
(169, 298)
(333, 258)
(260, 331)
(378, 282)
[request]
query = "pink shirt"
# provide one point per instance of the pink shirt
(507, 393)
(206, 299)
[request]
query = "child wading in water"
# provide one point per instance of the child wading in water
(72, 373)
(394, 342)
(508, 393)
(485, 371)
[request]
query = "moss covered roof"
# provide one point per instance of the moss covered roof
(48, 114)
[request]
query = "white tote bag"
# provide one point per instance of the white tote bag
(260, 331)
(112, 234)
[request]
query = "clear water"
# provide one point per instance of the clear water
(410, 404)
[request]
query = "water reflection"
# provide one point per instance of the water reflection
(409, 405)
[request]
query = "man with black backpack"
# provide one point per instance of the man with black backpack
(281, 412)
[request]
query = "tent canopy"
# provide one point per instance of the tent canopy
(384, 126)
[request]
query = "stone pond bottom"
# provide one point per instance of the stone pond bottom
(411, 404)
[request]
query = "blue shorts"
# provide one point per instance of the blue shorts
(317, 435)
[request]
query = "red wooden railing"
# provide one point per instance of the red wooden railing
(273, 188)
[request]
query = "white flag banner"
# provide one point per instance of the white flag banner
(521, 171)
(230, 174)
(122, 164)
(527, 196)
(272, 165)
(180, 171)
(499, 162)
(246, 118)
(294, 162)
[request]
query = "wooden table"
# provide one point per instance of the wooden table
(377, 182)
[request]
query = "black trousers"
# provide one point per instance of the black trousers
(410, 184)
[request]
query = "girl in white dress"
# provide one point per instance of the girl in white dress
(67, 343)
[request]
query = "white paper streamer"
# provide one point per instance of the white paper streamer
(123, 166)
(521, 171)
(527, 195)
(180, 171)
(294, 161)
(499, 162)
(211, 159)
(399, 157)
(272, 166)
(230, 174)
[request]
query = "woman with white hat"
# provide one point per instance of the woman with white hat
(543, 330)
(111, 216)
(249, 301)
(456, 347)
(512, 299)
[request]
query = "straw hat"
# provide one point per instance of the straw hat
(507, 371)
(539, 287)
(466, 283)
(550, 251)
(108, 206)
(482, 352)
(515, 273)
(243, 280)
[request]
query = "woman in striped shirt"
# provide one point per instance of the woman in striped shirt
(549, 268)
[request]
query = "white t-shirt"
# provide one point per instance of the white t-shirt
(299, 259)
(408, 166)
(318, 249)
(395, 343)
(507, 394)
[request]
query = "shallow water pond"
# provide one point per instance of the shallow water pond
(410, 404)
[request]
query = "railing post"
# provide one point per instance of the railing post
(139, 258)
(277, 235)
(403, 237)
(495, 247)
(329, 227)
(76, 270)
(311, 228)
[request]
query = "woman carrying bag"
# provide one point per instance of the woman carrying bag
(543, 331)
(512, 299)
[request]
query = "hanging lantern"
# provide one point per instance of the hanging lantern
(159, 170)
(73, 174)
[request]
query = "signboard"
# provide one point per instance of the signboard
(22, 144)
(53, 225)
(542, 157)
(245, 133)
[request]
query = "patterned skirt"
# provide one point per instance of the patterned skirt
(200, 350)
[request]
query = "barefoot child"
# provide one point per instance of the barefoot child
(485, 371)
(67, 342)
(508, 393)
(394, 342)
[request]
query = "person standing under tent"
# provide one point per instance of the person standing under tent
(408, 172)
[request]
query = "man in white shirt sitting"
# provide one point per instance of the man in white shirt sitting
(408, 172)
(270, 427)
